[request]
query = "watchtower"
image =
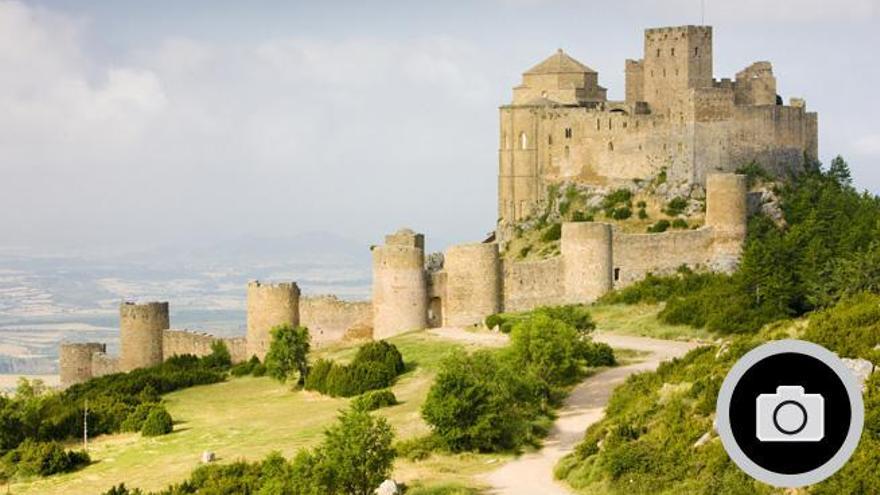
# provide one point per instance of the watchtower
(269, 305)
(141, 328)
(400, 290)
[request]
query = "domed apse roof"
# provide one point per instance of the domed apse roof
(559, 63)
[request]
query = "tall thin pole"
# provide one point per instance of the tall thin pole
(86, 426)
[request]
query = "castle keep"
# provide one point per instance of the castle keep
(676, 117)
(676, 120)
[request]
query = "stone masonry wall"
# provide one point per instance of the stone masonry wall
(636, 255)
(533, 283)
(328, 317)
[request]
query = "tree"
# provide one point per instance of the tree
(288, 353)
(358, 453)
(546, 346)
(219, 357)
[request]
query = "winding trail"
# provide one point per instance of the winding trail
(532, 474)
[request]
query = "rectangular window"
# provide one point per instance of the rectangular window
(616, 274)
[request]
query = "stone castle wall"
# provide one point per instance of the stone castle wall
(400, 285)
(529, 284)
(103, 364)
(181, 342)
(329, 319)
(141, 327)
(473, 283)
(636, 255)
(269, 305)
(75, 361)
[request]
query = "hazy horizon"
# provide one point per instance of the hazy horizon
(133, 126)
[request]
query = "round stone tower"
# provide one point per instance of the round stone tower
(269, 305)
(141, 331)
(473, 283)
(400, 291)
(726, 212)
(75, 361)
(587, 261)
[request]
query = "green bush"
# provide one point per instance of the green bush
(596, 354)
(676, 206)
(375, 366)
(245, 368)
(679, 223)
(418, 448)
(852, 327)
(615, 198)
(621, 213)
(135, 420)
(288, 353)
(479, 402)
(374, 399)
(546, 348)
(219, 358)
(575, 315)
(659, 226)
(158, 422)
(643, 214)
(552, 233)
(33, 458)
(580, 216)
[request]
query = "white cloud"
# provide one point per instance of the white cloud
(197, 137)
(778, 11)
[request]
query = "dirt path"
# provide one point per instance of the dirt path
(532, 474)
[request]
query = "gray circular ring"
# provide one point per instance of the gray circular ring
(853, 391)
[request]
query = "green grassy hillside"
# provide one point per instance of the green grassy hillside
(246, 418)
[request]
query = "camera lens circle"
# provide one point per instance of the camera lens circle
(790, 417)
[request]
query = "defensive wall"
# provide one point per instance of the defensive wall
(330, 319)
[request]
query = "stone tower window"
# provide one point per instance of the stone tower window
(696, 51)
(616, 274)
(610, 146)
(568, 132)
(550, 139)
(523, 141)
(598, 125)
(658, 52)
(672, 52)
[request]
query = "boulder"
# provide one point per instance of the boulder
(388, 487)
(207, 457)
(860, 368)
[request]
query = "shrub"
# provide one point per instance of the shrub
(219, 358)
(642, 205)
(418, 448)
(621, 213)
(580, 216)
(245, 368)
(547, 348)
(552, 233)
(288, 353)
(679, 223)
(576, 315)
(158, 422)
(32, 458)
(597, 354)
(525, 251)
(375, 366)
(852, 327)
(615, 198)
(643, 214)
(135, 420)
(659, 226)
(676, 206)
(478, 402)
(374, 399)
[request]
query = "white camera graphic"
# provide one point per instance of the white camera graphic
(790, 415)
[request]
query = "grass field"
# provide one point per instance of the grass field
(246, 418)
(641, 320)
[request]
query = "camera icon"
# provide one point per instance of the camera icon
(790, 415)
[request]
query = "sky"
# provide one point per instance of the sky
(134, 124)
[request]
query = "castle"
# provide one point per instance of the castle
(559, 127)
(676, 117)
